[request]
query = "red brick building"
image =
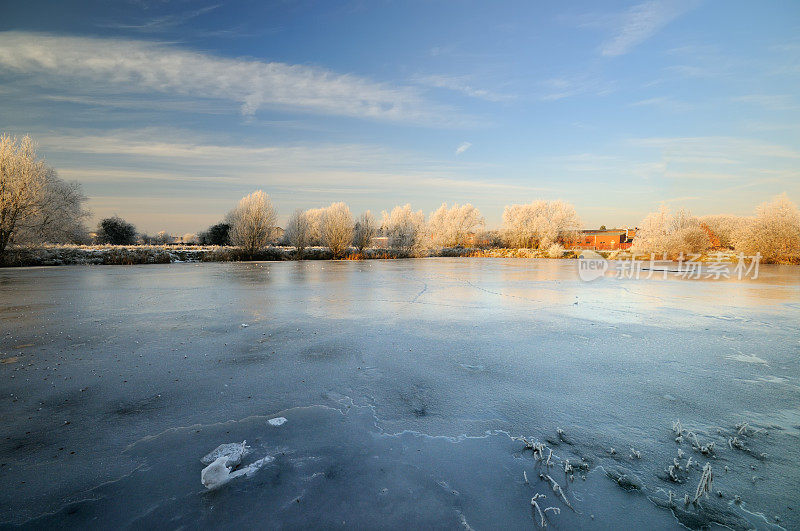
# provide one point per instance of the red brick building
(604, 239)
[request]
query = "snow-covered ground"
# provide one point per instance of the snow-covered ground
(404, 385)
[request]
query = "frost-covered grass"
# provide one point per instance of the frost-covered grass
(46, 255)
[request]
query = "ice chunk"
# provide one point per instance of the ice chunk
(232, 452)
(277, 421)
(217, 473)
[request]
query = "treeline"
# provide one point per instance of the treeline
(36, 206)
(773, 231)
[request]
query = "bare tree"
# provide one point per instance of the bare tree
(364, 231)
(252, 222)
(540, 224)
(337, 228)
(404, 228)
(298, 231)
(449, 227)
(774, 232)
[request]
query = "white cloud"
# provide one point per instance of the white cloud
(463, 85)
(463, 147)
(641, 22)
(116, 66)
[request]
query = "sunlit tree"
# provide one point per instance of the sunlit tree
(774, 232)
(404, 228)
(35, 204)
(337, 228)
(664, 232)
(449, 227)
(252, 222)
(540, 224)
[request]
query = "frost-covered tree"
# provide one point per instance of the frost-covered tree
(337, 228)
(252, 222)
(540, 224)
(60, 215)
(774, 232)
(404, 228)
(449, 227)
(364, 230)
(298, 231)
(664, 232)
(725, 227)
(162, 237)
(35, 204)
(314, 216)
(190, 238)
(116, 231)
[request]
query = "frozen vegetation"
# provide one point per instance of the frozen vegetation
(37, 208)
(416, 393)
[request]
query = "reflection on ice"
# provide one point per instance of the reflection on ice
(386, 395)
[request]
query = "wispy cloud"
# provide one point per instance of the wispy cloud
(719, 149)
(773, 102)
(463, 147)
(641, 22)
(463, 85)
(664, 102)
(164, 22)
(118, 66)
(558, 88)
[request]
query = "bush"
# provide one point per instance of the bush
(116, 231)
(218, 234)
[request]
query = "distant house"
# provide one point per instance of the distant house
(604, 240)
(380, 242)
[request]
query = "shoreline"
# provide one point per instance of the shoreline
(60, 255)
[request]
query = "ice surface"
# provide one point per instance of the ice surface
(277, 421)
(403, 383)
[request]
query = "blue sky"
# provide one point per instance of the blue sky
(169, 112)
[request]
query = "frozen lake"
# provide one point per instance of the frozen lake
(402, 383)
